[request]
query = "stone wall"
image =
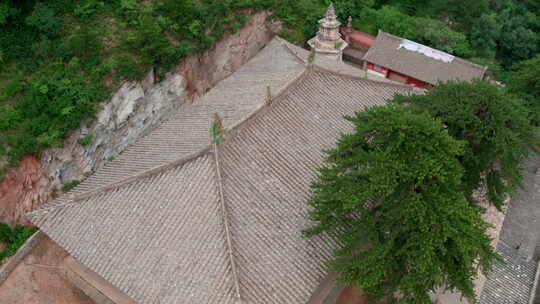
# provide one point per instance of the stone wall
(133, 111)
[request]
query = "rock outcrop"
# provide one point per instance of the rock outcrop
(134, 110)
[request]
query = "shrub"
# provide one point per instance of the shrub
(128, 68)
(85, 140)
(44, 19)
(13, 238)
(70, 185)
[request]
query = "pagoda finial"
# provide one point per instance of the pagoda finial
(349, 22)
(328, 41)
(331, 11)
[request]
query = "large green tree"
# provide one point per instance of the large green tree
(391, 20)
(484, 35)
(6, 10)
(525, 82)
(493, 123)
(517, 40)
(440, 36)
(462, 12)
(391, 195)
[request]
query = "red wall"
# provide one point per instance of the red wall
(417, 83)
(383, 70)
(410, 80)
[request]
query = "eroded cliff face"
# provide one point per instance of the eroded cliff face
(21, 186)
(133, 111)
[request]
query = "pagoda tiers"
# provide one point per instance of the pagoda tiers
(328, 41)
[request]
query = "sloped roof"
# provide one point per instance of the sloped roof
(511, 281)
(234, 98)
(386, 51)
(514, 280)
(358, 38)
(159, 237)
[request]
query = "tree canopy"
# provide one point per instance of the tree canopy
(492, 122)
(484, 35)
(391, 195)
(525, 82)
(99, 44)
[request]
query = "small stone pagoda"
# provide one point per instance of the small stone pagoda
(328, 42)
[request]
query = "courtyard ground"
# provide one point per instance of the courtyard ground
(38, 280)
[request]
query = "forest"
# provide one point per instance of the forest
(60, 58)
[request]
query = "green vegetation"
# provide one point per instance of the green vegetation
(492, 122)
(59, 58)
(397, 193)
(525, 82)
(85, 140)
(391, 195)
(70, 185)
(13, 238)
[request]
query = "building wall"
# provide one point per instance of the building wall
(417, 83)
(377, 69)
(354, 54)
(393, 75)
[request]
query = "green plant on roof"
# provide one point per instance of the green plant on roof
(70, 185)
(311, 57)
(216, 130)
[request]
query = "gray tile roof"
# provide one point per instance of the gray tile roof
(522, 225)
(267, 169)
(386, 52)
(160, 237)
(511, 282)
(234, 98)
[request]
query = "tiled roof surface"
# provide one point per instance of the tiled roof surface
(267, 169)
(386, 52)
(160, 238)
(511, 281)
(234, 98)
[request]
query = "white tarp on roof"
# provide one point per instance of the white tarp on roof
(426, 50)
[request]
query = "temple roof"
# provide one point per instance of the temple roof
(511, 281)
(424, 63)
(150, 222)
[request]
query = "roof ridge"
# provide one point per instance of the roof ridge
(468, 62)
(291, 51)
(73, 198)
(183, 228)
(320, 68)
(76, 197)
(384, 83)
(225, 217)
